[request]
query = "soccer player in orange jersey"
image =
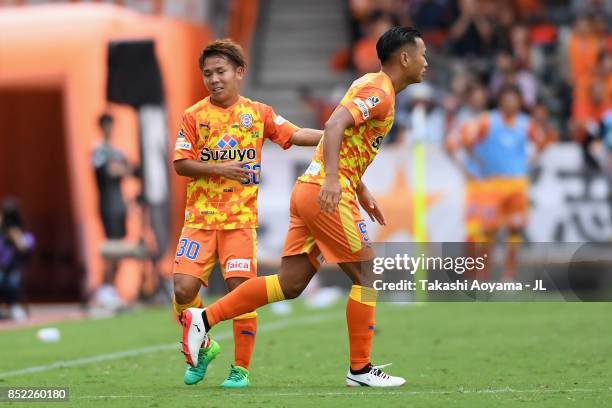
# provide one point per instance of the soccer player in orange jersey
(325, 218)
(219, 149)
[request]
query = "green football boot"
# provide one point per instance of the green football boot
(238, 378)
(194, 375)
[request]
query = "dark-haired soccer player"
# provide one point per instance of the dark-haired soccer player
(498, 145)
(219, 149)
(325, 219)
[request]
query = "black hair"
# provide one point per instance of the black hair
(11, 216)
(394, 39)
(510, 88)
(104, 119)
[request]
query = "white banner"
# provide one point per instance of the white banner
(566, 205)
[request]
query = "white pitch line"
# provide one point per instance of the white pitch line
(373, 392)
(506, 390)
(162, 347)
(112, 396)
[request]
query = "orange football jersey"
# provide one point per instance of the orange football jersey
(371, 102)
(211, 134)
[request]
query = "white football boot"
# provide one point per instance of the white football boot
(194, 334)
(375, 377)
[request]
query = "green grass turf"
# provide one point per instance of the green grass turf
(453, 355)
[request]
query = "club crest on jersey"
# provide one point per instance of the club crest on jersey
(361, 226)
(246, 120)
(372, 101)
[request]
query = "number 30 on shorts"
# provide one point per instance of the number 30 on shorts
(187, 248)
(252, 178)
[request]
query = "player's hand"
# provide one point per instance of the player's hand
(235, 170)
(330, 193)
(370, 206)
(18, 238)
(117, 169)
(14, 234)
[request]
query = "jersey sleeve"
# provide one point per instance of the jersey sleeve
(369, 102)
(185, 147)
(278, 129)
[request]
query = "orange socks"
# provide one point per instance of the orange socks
(245, 328)
(360, 310)
(247, 297)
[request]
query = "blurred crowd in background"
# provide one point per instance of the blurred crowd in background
(558, 53)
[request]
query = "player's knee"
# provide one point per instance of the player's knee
(516, 229)
(185, 293)
(490, 234)
(515, 235)
(292, 290)
(364, 279)
(233, 283)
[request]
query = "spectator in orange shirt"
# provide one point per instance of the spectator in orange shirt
(583, 48)
(365, 58)
(593, 92)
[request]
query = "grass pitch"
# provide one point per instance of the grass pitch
(452, 354)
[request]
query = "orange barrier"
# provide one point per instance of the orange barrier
(242, 21)
(64, 48)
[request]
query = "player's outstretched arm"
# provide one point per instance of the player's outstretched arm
(330, 193)
(306, 137)
(233, 170)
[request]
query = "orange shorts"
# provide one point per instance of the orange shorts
(331, 237)
(497, 203)
(475, 193)
(199, 250)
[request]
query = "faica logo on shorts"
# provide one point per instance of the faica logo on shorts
(235, 265)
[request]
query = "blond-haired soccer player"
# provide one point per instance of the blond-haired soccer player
(219, 149)
(325, 219)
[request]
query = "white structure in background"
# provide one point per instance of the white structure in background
(568, 206)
